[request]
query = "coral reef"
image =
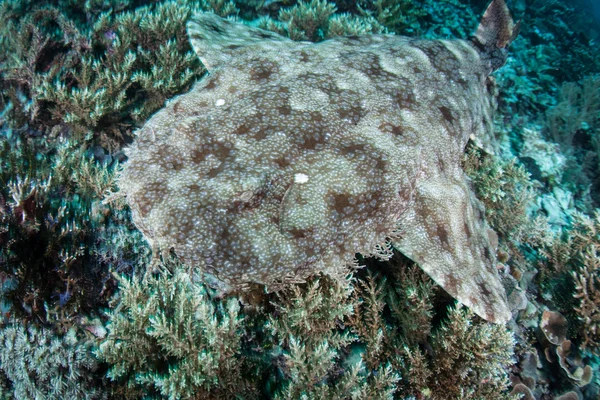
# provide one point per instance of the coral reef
(77, 78)
(43, 365)
(167, 335)
(49, 219)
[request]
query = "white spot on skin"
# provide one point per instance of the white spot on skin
(300, 178)
(219, 102)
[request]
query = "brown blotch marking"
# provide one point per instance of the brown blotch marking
(198, 155)
(487, 254)
(281, 162)
(284, 108)
(375, 69)
(405, 194)
(447, 114)
(405, 99)
(193, 187)
(341, 201)
(214, 172)
(299, 233)
(378, 197)
(484, 121)
(310, 251)
(354, 113)
(262, 71)
(440, 57)
(474, 300)
(177, 107)
(153, 194)
(211, 84)
(214, 27)
(451, 284)
(251, 204)
(467, 230)
(304, 56)
(353, 38)
(260, 134)
(221, 151)
(353, 149)
(264, 35)
(315, 116)
(441, 164)
(176, 165)
(442, 234)
(348, 105)
(393, 129)
(367, 63)
(233, 46)
(483, 288)
(381, 164)
(430, 48)
(242, 130)
(232, 89)
(310, 142)
(323, 82)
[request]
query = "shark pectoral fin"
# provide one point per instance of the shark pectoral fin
(445, 234)
(216, 40)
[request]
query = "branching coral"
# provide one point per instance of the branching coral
(577, 111)
(505, 188)
(317, 20)
(308, 325)
(397, 16)
(587, 278)
(42, 365)
(48, 218)
(96, 79)
(468, 358)
(168, 335)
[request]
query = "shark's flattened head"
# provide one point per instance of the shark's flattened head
(290, 157)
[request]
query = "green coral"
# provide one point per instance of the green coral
(169, 336)
(471, 358)
(459, 363)
(98, 80)
(50, 212)
(42, 365)
(506, 190)
(318, 20)
(585, 250)
(307, 324)
(396, 16)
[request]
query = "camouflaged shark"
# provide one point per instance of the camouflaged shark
(288, 158)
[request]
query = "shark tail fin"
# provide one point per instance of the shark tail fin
(496, 31)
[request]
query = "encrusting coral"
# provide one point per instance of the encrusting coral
(289, 158)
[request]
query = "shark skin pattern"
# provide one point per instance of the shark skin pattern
(288, 158)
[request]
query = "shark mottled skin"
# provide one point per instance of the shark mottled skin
(290, 157)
